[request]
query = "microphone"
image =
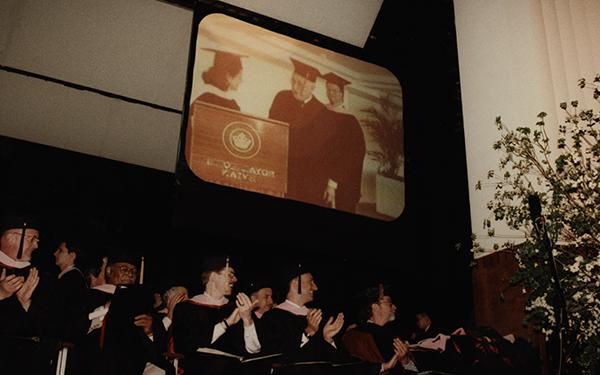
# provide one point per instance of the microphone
(535, 211)
(535, 207)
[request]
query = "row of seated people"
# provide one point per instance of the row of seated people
(111, 325)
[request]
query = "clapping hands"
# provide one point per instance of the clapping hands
(25, 292)
(244, 308)
(9, 284)
(332, 327)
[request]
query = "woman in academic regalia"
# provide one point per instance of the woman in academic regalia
(221, 79)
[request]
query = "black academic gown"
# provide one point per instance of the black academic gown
(28, 340)
(310, 137)
(346, 158)
(71, 293)
(120, 347)
(281, 332)
(87, 353)
(127, 348)
(192, 328)
(424, 360)
(383, 337)
(215, 99)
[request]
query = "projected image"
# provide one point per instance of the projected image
(277, 116)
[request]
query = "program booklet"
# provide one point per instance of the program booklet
(242, 359)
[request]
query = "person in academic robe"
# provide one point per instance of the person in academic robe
(347, 151)
(374, 339)
(27, 339)
(301, 334)
(425, 327)
(71, 290)
(222, 78)
(124, 335)
(310, 135)
(211, 320)
(170, 298)
(259, 288)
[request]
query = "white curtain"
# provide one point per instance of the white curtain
(516, 59)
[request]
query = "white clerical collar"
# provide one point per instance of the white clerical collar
(292, 307)
(106, 288)
(210, 89)
(207, 299)
(11, 263)
(71, 267)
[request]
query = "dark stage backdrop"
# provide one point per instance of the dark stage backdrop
(424, 253)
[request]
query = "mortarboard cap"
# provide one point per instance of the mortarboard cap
(120, 256)
(18, 221)
(293, 270)
(254, 283)
(309, 72)
(217, 262)
(335, 79)
(226, 58)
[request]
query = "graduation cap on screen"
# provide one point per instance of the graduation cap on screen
(20, 222)
(335, 79)
(307, 71)
(226, 58)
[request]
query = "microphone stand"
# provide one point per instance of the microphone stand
(560, 303)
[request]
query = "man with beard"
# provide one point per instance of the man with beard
(373, 340)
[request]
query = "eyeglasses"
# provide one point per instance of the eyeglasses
(125, 269)
(29, 237)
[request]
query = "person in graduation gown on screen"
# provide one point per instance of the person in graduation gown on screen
(347, 151)
(222, 79)
(310, 135)
(302, 334)
(211, 320)
(27, 336)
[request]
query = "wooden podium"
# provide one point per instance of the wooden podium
(491, 280)
(231, 148)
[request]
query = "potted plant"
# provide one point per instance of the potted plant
(384, 124)
(566, 178)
